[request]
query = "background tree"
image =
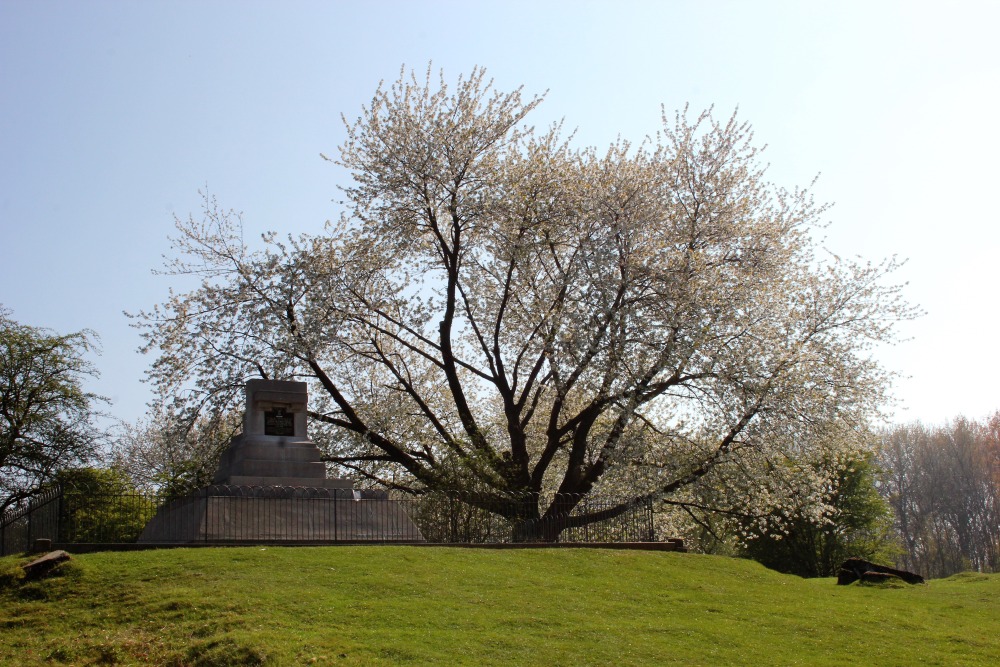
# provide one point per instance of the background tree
(943, 484)
(102, 505)
(855, 521)
(172, 455)
(500, 312)
(46, 417)
(832, 510)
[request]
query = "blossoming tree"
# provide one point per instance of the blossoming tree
(499, 311)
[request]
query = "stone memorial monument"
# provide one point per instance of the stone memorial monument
(273, 449)
(271, 486)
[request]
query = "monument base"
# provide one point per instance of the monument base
(271, 486)
(325, 483)
(259, 456)
(233, 514)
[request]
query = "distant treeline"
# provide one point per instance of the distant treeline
(943, 484)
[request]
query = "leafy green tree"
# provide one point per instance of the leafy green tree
(855, 521)
(499, 311)
(46, 417)
(102, 505)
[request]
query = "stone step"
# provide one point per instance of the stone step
(306, 451)
(273, 468)
(248, 480)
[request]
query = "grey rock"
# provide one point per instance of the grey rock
(39, 567)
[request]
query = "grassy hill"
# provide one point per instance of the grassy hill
(411, 605)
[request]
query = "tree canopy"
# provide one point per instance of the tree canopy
(171, 455)
(858, 524)
(943, 484)
(499, 310)
(46, 417)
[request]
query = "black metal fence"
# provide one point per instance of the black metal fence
(251, 515)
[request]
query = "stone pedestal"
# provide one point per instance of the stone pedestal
(274, 449)
(271, 485)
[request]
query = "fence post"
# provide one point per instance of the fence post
(206, 522)
(452, 520)
(27, 543)
(59, 516)
(649, 516)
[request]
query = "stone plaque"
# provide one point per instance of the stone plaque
(278, 422)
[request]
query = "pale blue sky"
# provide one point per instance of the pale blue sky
(115, 114)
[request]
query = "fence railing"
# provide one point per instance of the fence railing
(234, 515)
(36, 518)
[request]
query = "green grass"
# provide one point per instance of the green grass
(415, 606)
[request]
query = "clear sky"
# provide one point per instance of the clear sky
(115, 114)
